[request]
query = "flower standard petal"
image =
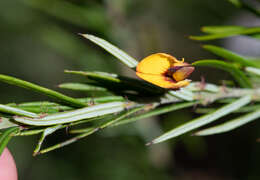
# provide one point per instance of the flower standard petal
(156, 64)
(164, 70)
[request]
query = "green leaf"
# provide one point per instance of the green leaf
(45, 133)
(244, 5)
(183, 94)
(157, 111)
(256, 36)
(83, 130)
(253, 70)
(102, 99)
(97, 76)
(221, 29)
(238, 75)
(37, 130)
(56, 95)
(119, 83)
(230, 125)
(6, 136)
(6, 123)
(241, 110)
(236, 3)
(69, 141)
(123, 116)
(203, 120)
(228, 55)
(46, 109)
(74, 115)
(200, 86)
(81, 87)
(89, 130)
(16, 111)
(30, 132)
(50, 107)
(247, 31)
(118, 53)
(109, 122)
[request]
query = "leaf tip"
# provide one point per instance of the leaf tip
(205, 46)
(80, 34)
(67, 71)
(197, 133)
(149, 143)
(203, 28)
(192, 37)
(35, 153)
(88, 36)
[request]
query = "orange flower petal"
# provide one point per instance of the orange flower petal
(162, 81)
(164, 70)
(156, 63)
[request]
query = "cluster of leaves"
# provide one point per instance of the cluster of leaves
(87, 115)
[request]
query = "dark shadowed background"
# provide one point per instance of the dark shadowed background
(39, 39)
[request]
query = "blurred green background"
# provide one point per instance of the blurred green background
(39, 39)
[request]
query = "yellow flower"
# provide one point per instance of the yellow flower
(164, 70)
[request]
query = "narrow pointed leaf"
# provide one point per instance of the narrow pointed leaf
(6, 136)
(238, 75)
(123, 116)
(157, 111)
(253, 70)
(230, 125)
(241, 110)
(16, 111)
(102, 99)
(33, 131)
(46, 109)
(56, 95)
(118, 53)
(81, 87)
(247, 31)
(69, 141)
(256, 36)
(244, 5)
(6, 123)
(74, 115)
(116, 82)
(50, 107)
(183, 94)
(236, 3)
(201, 86)
(201, 121)
(221, 29)
(30, 132)
(228, 55)
(109, 122)
(109, 77)
(82, 130)
(45, 133)
(227, 29)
